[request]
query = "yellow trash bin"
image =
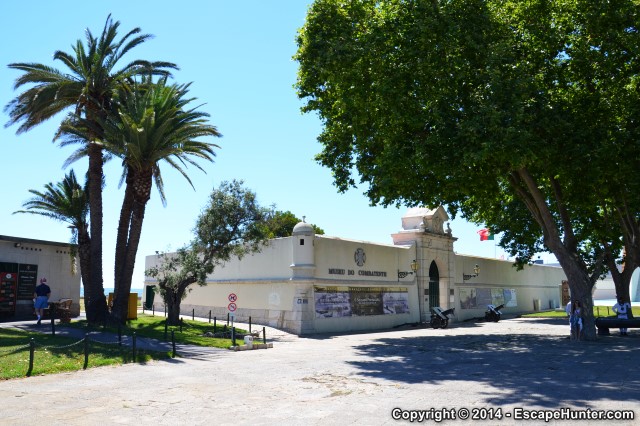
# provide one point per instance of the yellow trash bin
(133, 306)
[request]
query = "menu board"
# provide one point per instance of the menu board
(27, 279)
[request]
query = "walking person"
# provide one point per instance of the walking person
(622, 310)
(41, 298)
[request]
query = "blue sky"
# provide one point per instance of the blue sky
(238, 56)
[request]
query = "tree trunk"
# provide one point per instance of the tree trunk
(173, 299)
(141, 191)
(566, 251)
(97, 306)
(173, 296)
(84, 253)
(123, 232)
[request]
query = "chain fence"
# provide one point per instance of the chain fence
(87, 342)
(221, 329)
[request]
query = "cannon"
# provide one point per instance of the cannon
(440, 317)
(493, 313)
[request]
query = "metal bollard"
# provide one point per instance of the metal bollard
(153, 310)
(134, 346)
(193, 314)
(86, 351)
(53, 320)
(180, 325)
(249, 324)
(215, 320)
(32, 348)
(233, 336)
(165, 310)
(209, 316)
(227, 318)
(173, 343)
(264, 335)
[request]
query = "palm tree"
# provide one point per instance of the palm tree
(67, 202)
(88, 87)
(153, 123)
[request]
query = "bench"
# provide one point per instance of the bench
(62, 309)
(605, 323)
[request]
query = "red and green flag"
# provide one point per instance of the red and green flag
(485, 235)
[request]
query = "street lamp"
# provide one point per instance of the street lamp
(414, 268)
(476, 272)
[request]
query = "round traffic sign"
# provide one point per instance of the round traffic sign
(233, 297)
(232, 307)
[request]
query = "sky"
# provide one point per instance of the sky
(238, 57)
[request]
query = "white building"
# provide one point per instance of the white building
(311, 283)
(23, 262)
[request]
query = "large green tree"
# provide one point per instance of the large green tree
(232, 224)
(66, 201)
(478, 105)
(280, 224)
(86, 87)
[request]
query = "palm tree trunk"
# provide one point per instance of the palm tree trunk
(97, 306)
(141, 189)
(84, 253)
(123, 231)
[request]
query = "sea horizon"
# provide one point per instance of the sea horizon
(108, 290)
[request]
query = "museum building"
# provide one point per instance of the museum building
(311, 283)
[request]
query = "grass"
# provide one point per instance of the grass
(153, 327)
(598, 311)
(57, 354)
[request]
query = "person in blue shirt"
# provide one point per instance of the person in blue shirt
(41, 298)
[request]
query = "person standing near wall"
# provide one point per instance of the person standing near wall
(622, 310)
(41, 298)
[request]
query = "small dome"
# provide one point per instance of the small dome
(303, 228)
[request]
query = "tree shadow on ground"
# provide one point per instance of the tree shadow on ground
(542, 370)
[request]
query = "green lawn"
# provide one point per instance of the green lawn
(153, 327)
(598, 311)
(57, 354)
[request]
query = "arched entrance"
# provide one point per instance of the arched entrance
(434, 285)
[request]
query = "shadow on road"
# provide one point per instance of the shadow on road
(524, 368)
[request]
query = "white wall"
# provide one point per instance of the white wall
(54, 263)
(534, 282)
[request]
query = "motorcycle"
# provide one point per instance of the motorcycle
(439, 317)
(493, 313)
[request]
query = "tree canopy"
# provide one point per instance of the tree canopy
(505, 111)
(280, 224)
(232, 224)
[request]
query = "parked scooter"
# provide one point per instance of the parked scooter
(493, 313)
(439, 317)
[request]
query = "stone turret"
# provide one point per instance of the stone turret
(303, 256)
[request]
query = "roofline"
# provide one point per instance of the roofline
(32, 241)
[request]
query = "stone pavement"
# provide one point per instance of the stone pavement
(351, 379)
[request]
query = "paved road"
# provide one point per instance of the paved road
(355, 379)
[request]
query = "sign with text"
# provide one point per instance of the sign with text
(27, 279)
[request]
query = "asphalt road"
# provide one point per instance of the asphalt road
(498, 372)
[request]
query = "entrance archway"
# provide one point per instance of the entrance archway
(434, 285)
